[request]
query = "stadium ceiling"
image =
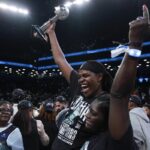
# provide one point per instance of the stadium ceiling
(94, 25)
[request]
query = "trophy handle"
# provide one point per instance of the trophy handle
(46, 24)
(40, 31)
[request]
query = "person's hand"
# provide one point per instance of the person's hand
(51, 28)
(139, 28)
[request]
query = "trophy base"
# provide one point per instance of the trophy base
(38, 33)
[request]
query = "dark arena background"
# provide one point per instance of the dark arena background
(91, 31)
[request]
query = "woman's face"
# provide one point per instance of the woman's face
(94, 118)
(5, 112)
(30, 110)
(89, 82)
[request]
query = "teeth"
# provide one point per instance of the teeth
(84, 86)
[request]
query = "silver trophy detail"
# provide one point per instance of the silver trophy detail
(61, 13)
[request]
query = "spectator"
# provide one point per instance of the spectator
(10, 136)
(134, 101)
(60, 104)
(147, 109)
(47, 115)
(32, 130)
(18, 95)
(139, 120)
(97, 124)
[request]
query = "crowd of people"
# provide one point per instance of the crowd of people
(101, 114)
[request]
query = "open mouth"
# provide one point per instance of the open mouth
(84, 88)
(5, 115)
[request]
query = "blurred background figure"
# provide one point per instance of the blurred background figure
(18, 95)
(134, 101)
(10, 136)
(140, 122)
(47, 115)
(146, 108)
(32, 130)
(60, 104)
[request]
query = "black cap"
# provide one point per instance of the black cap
(25, 104)
(60, 99)
(48, 105)
(136, 99)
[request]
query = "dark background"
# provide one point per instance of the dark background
(93, 25)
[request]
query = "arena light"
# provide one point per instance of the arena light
(78, 2)
(24, 11)
(68, 4)
(75, 2)
(12, 8)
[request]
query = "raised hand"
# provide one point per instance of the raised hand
(51, 28)
(140, 28)
(146, 13)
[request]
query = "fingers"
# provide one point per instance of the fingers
(134, 23)
(138, 22)
(139, 18)
(54, 25)
(50, 27)
(146, 13)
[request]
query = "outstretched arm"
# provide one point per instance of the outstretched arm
(58, 54)
(125, 78)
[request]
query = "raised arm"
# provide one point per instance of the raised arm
(42, 134)
(125, 77)
(58, 54)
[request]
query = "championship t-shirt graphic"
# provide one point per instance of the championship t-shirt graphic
(74, 120)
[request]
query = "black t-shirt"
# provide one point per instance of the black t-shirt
(71, 134)
(31, 141)
(51, 130)
(104, 141)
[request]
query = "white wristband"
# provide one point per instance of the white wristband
(118, 50)
(134, 52)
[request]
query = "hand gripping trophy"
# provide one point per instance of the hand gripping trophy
(61, 13)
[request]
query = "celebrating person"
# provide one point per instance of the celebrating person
(108, 115)
(91, 81)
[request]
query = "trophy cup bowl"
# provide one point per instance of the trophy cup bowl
(61, 13)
